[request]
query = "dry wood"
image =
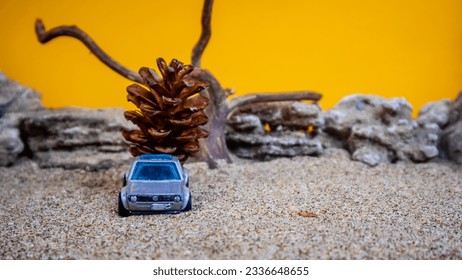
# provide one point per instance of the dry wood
(75, 32)
(212, 148)
(205, 34)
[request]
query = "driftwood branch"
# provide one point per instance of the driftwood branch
(272, 97)
(214, 147)
(205, 34)
(75, 32)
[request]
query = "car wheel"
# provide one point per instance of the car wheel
(189, 205)
(122, 211)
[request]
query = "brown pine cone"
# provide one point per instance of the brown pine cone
(170, 111)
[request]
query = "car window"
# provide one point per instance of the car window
(155, 171)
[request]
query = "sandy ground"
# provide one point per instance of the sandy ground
(300, 208)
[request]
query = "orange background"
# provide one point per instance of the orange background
(391, 48)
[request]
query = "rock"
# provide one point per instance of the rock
(76, 137)
(455, 110)
(451, 140)
(17, 98)
(364, 109)
(291, 129)
(11, 145)
(267, 146)
(14, 98)
(435, 112)
(402, 141)
(286, 115)
(248, 123)
(373, 129)
(300, 115)
(371, 155)
(73, 127)
(329, 141)
(379, 130)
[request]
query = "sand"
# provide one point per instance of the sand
(301, 208)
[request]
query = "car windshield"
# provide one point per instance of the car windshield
(155, 171)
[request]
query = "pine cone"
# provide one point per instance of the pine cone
(170, 111)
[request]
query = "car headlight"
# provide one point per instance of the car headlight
(177, 198)
(133, 198)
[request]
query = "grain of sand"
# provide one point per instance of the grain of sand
(300, 208)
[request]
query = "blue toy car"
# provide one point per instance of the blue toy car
(156, 183)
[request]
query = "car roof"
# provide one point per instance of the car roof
(157, 157)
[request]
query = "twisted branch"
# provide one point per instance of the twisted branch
(205, 34)
(214, 147)
(272, 97)
(75, 32)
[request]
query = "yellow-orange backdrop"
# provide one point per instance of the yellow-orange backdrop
(407, 48)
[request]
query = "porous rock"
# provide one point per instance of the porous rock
(271, 145)
(360, 109)
(17, 98)
(435, 112)
(288, 134)
(329, 141)
(77, 137)
(249, 123)
(455, 110)
(451, 140)
(379, 130)
(11, 145)
(371, 154)
(285, 115)
(407, 142)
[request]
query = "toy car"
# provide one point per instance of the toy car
(156, 183)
